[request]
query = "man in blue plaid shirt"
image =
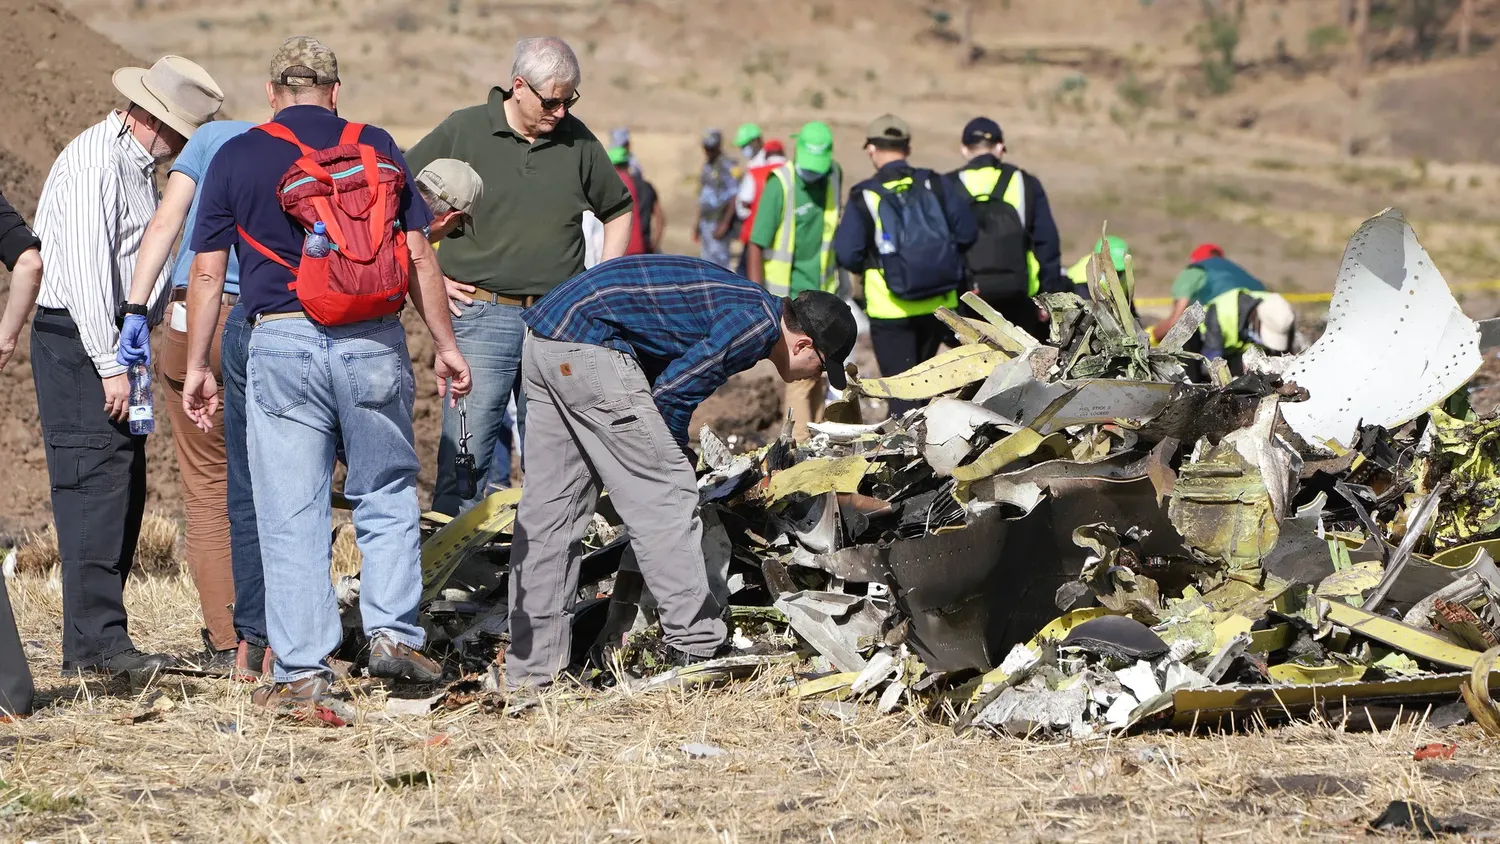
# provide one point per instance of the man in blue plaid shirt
(615, 362)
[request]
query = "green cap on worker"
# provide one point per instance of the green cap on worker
(619, 156)
(746, 133)
(1118, 249)
(814, 147)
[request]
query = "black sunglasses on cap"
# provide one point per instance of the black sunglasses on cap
(552, 103)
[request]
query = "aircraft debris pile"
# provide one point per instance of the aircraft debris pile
(1317, 534)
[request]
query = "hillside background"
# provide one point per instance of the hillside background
(1177, 121)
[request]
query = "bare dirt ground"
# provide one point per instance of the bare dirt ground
(110, 762)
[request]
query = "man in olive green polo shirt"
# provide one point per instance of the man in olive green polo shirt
(542, 169)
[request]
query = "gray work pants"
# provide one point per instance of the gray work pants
(592, 423)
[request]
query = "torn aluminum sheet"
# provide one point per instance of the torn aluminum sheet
(813, 522)
(858, 564)
(1301, 553)
(834, 624)
(1140, 680)
(950, 429)
(943, 373)
(1396, 343)
(1083, 402)
(818, 475)
(1025, 710)
(840, 432)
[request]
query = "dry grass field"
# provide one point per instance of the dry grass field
(191, 760)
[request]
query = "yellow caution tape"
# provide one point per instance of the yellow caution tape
(1315, 298)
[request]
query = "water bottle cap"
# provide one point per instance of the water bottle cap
(319, 228)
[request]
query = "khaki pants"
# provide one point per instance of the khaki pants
(805, 400)
(592, 423)
(202, 462)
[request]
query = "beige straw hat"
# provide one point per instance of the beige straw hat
(175, 91)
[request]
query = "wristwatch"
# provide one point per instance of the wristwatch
(129, 308)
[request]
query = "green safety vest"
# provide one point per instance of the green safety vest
(1224, 316)
(981, 182)
(778, 268)
(880, 302)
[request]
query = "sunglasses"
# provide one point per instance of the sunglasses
(551, 103)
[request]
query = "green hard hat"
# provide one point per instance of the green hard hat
(619, 156)
(1118, 249)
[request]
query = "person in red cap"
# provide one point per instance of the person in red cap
(1208, 275)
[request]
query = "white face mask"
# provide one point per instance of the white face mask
(747, 152)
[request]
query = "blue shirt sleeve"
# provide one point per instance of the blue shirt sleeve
(415, 215)
(215, 226)
(853, 234)
(194, 158)
(1046, 244)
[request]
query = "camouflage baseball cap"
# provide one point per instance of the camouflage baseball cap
(304, 60)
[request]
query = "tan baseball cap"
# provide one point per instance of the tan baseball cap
(455, 183)
(304, 60)
(888, 127)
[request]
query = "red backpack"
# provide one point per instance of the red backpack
(356, 193)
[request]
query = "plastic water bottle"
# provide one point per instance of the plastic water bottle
(886, 245)
(142, 416)
(316, 244)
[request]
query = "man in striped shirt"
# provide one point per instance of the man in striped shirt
(615, 362)
(92, 215)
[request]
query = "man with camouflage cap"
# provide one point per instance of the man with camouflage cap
(312, 387)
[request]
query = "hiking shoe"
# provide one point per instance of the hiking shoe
(129, 661)
(670, 657)
(212, 660)
(252, 662)
(308, 697)
(394, 661)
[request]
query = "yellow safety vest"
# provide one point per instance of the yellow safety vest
(778, 268)
(1224, 310)
(981, 182)
(880, 302)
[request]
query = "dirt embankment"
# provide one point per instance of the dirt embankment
(58, 83)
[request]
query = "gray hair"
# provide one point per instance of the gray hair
(438, 207)
(544, 61)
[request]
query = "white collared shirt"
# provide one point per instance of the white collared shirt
(91, 217)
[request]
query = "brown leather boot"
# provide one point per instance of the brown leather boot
(394, 661)
(305, 697)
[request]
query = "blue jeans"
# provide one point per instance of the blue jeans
(500, 463)
(244, 540)
(309, 385)
(490, 338)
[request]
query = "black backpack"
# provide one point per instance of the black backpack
(999, 269)
(917, 254)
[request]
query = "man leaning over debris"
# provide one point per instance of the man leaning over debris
(616, 361)
(313, 386)
(1238, 319)
(1208, 275)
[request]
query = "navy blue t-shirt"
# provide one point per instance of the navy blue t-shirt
(240, 190)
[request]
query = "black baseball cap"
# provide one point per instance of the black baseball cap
(982, 130)
(830, 325)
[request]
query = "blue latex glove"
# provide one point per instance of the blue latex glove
(135, 341)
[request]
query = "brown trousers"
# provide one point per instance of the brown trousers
(805, 400)
(205, 486)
